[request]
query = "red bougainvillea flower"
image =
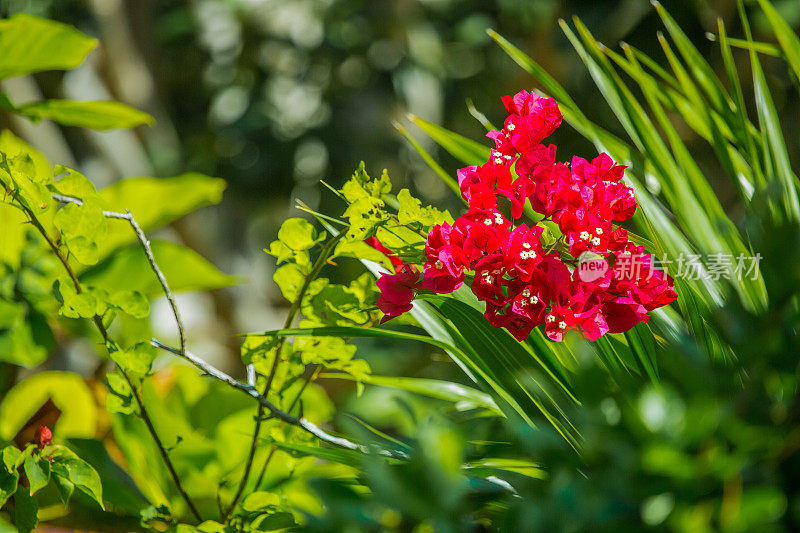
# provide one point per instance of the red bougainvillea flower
(524, 280)
(397, 291)
(558, 321)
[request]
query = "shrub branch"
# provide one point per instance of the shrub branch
(104, 332)
(249, 389)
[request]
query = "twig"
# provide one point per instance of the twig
(206, 368)
(160, 445)
(274, 411)
(148, 250)
(101, 327)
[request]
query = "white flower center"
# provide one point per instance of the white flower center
(585, 235)
(599, 231)
(596, 241)
(511, 127)
(551, 318)
(562, 325)
(534, 299)
(498, 160)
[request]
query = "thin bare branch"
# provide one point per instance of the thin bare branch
(273, 410)
(101, 327)
(148, 250)
(249, 389)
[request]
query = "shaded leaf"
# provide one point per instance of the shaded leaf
(79, 473)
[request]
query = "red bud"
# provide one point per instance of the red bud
(43, 436)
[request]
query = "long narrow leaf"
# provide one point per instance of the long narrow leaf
(465, 150)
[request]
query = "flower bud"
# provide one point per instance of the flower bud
(43, 437)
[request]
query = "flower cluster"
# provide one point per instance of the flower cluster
(523, 282)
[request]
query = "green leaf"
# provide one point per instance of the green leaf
(120, 396)
(137, 359)
(30, 44)
(284, 253)
(361, 185)
(490, 465)
(183, 268)
(132, 302)
(175, 196)
(290, 279)
(410, 211)
(65, 489)
(210, 526)
(27, 509)
(365, 214)
(74, 305)
(119, 490)
(299, 234)
(534, 380)
(760, 47)
(9, 477)
(79, 473)
(436, 167)
(465, 150)
(534, 69)
(260, 500)
(323, 349)
(25, 337)
(470, 362)
(790, 44)
(465, 397)
(12, 239)
(82, 227)
(360, 250)
(99, 115)
(69, 393)
(19, 174)
(702, 71)
(74, 184)
(778, 168)
(11, 457)
(38, 473)
(333, 304)
(83, 249)
(275, 521)
(15, 147)
(334, 455)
